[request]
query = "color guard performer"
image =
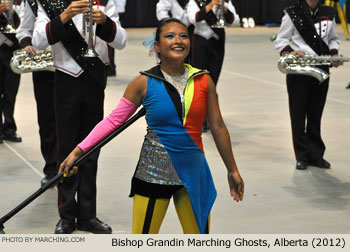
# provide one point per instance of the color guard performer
(9, 81)
(172, 162)
(79, 94)
(43, 83)
(308, 28)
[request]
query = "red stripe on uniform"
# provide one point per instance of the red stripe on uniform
(48, 33)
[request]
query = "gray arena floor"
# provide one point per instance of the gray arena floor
(253, 100)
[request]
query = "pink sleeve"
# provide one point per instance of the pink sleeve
(117, 117)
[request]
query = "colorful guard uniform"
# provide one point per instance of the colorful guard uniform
(172, 155)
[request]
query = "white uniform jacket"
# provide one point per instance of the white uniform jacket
(164, 6)
(121, 6)
(201, 27)
(44, 36)
(26, 28)
(289, 39)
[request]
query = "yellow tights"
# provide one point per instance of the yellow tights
(148, 213)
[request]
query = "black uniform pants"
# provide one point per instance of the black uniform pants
(43, 83)
(9, 84)
(112, 67)
(79, 107)
(190, 30)
(307, 99)
(208, 55)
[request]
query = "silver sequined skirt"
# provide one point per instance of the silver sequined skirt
(154, 164)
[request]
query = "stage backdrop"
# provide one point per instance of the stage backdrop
(268, 11)
(142, 13)
(263, 11)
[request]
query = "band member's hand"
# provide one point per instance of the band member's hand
(98, 16)
(74, 8)
(225, 10)
(236, 185)
(337, 63)
(299, 53)
(211, 5)
(69, 161)
(4, 7)
(216, 2)
(29, 49)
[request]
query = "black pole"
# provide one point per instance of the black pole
(78, 162)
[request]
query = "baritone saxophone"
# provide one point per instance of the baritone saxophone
(24, 62)
(307, 65)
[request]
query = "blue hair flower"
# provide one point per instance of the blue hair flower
(150, 43)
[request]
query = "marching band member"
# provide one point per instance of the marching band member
(79, 95)
(112, 69)
(43, 83)
(9, 81)
(308, 27)
(121, 7)
(208, 45)
(177, 8)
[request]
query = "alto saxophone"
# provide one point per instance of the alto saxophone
(307, 65)
(23, 62)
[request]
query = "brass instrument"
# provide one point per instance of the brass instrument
(9, 27)
(89, 26)
(23, 62)
(218, 20)
(219, 13)
(307, 65)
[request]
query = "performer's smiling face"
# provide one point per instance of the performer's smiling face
(174, 42)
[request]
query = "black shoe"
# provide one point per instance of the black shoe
(321, 163)
(301, 165)
(65, 226)
(94, 225)
(12, 137)
(1, 140)
(46, 179)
